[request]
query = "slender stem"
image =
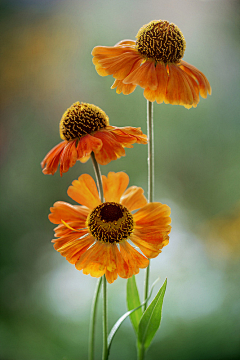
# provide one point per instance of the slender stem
(105, 330)
(93, 320)
(96, 297)
(150, 151)
(98, 176)
(150, 180)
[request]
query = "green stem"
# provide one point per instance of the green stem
(93, 320)
(141, 352)
(105, 331)
(96, 297)
(150, 133)
(98, 176)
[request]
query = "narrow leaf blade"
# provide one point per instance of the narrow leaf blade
(133, 301)
(151, 319)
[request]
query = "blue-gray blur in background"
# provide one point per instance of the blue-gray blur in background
(46, 66)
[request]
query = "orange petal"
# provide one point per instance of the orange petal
(199, 76)
(162, 77)
(73, 250)
(126, 89)
(99, 259)
(152, 214)
(120, 66)
(178, 91)
(86, 145)
(114, 186)
(111, 276)
(133, 198)
(111, 149)
(68, 157)
(52, 159)
(132, 257)
(123, 268)
(144, 76)
(148, 249)
(128, 135)
(64, 211)
(84, 191)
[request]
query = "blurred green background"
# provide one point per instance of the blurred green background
(46, 66)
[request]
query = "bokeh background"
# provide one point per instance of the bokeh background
(46, 66)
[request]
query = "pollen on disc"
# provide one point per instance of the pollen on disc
(82, 119)
(161, 41)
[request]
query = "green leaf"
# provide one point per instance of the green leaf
(133, 301)
(123, 317)
(150, 320)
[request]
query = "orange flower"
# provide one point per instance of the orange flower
(85, 128)
(94, 236)
(154, 63)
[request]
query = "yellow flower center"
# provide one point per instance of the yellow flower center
(110, 222)
(82, 119)
(161, 41)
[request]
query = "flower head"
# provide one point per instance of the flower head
(154, 62)
(85, 128)
(94, 236)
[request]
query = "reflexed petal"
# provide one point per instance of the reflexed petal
(114, 186)
(52, 159)
(84, 191)
(178, 91)
(111, 149)
(163, 78)
(203, 82)
(68, 157)
(86, 145)
(126, 89)
(144, 76)
(133, 198)
(120, 66)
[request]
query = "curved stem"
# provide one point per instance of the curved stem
(93, 320)
(105, 330)
(150, 133)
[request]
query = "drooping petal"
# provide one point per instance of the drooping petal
(64, 211)
(120, 66)
(133, 198)
(126, 89)
(178, 91)
(84, 191)
(114, 186)
(52, 159)
(68, 157)
(144, 76)
(111, 149)
(117, 60)
(86, 145)
(203, 82)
